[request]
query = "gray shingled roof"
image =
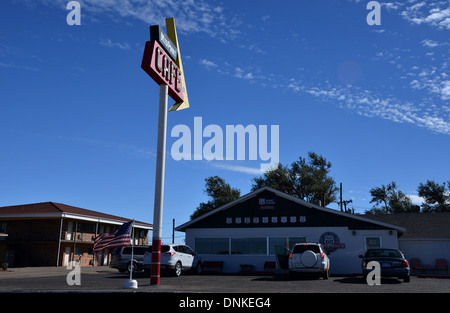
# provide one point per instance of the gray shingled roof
(418, 225)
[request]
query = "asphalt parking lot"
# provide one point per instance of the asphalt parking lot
(107, 280)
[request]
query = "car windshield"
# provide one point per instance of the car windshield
(305, 247)
(164, 248)
(385, 253)
(136, 250)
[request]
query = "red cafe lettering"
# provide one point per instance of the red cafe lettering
(160, 66)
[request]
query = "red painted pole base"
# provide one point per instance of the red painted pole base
(156, 262)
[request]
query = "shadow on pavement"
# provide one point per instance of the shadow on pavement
(361, 281)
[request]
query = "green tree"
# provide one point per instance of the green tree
(220, 192)
(437, 197)
(389, 199)
(307, 178)
(279, 178)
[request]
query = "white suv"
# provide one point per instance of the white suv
(309, 258)
(175, 258)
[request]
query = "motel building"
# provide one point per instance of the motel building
(248, 233)
(55, 234)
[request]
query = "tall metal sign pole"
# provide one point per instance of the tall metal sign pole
(162, 61)
(159, 185)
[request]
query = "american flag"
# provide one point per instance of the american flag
(121, 238)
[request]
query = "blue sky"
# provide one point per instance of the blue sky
(78, 122)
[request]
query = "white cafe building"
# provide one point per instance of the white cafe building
(249, 232)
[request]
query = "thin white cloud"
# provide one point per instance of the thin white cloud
(392, 5)
(110, 44)
(200, 16)
(240, 73)
(208, 64)
(434, 79)
(422, 112)
(21, 67)
(415, 199)
(237, 168)
(366, 103)
(445, 90)
(430, 43)
(436, 14)
(133, 150)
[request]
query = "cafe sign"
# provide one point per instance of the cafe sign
(162, 68)
(330, 242)
(162, 62)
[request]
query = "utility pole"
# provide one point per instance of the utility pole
(345, 204)
(173, 230)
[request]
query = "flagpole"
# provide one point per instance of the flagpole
(132, 250)
(131, 283)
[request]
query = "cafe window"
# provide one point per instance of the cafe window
(277, 245)
(373, 242)
(249, 245)
(212, 245)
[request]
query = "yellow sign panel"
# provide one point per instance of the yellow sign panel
(172, 33)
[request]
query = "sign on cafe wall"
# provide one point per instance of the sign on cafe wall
(266, 220)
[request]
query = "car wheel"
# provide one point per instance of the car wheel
(177, 269)
(131, 267)
(293, 275)
(198, 268)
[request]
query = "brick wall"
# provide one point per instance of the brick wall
(35, 241)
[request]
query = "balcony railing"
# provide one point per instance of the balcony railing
(89, 237)
(71, 236)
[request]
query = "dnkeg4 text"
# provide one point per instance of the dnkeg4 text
(226, 303)
(246, 302)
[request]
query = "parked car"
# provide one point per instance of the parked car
(121, 259)
(175, 258)
(309, 258)
(392, 263)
